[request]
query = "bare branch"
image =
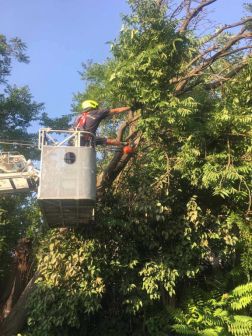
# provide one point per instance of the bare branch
(221, 53)
(227, 46)
(182, 81)
(227, 27)
(236, 50)
(231, 74)
(217, 83)
(188, 6)
(177, 10)
(201, 55)
(194, 13)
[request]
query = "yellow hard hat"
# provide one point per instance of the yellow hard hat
(89, 104)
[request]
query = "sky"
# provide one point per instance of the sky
(61, 34)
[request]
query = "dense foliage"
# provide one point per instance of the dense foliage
(170, 252)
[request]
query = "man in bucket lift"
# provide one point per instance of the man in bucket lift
(91, 117)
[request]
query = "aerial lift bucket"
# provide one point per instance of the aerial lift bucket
(16, 174)
(67, 188)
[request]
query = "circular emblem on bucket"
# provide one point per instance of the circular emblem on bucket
(70, 158)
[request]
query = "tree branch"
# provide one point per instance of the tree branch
(182, 81)
(123, 126)
(104, 180)
(215, 84)
(231, 74)
(119, 160)
(236, 50)
(227, 27)
(220, 53)
(18, 278)
(117, 164)
(177, 10)
(201, 55)
(194, 13)
(15, 321)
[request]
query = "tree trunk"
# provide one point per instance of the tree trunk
(16, 319)
(18, 279)
(116, 165)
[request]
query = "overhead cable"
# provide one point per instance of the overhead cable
(18, 140)
(17, 144)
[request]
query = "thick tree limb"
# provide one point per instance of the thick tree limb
(227, 46)
(15, 321)
(119, 160)
(134, 135)
(18, 279)
(106, 179)
(194, 13)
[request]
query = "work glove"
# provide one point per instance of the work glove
(136, 106)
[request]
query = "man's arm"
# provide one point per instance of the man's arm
(119, 110)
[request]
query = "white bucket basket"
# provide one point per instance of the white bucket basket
(67, 190)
